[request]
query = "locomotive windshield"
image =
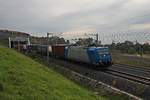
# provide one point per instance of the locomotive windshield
(103, 51)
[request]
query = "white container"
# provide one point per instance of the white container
(78, 53)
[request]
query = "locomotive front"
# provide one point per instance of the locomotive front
(104, 56)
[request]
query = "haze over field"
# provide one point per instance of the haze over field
(105, 16)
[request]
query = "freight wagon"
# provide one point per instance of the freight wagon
(59, 50)
(41, 49)
(90, 55)
(99, 56)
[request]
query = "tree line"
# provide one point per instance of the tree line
(130, 47)
(124, 47)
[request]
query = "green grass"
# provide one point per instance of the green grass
(21, 78)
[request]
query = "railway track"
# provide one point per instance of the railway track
(142, 79)
(129, 76)
(141, 68)
(137, 74)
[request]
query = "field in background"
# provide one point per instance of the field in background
(23, 78)
(129, 59)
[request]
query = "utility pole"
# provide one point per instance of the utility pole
(48, 48)
(9, 39)
(96, 35)
(141, 50)
(50, 34)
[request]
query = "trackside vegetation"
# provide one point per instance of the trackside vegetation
(22, 78)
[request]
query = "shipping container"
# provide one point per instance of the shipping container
(78, 53)
(58, 51)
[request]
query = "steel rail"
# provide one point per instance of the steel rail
(132, 77)
(133, 67)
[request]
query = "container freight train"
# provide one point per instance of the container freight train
(99, 56)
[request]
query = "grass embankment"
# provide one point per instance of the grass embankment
(103, 92)
(23, 78)
(131, 59)
(4, 42)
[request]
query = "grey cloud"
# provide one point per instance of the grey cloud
(37, 16)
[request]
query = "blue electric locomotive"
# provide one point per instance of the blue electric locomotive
(90, 55)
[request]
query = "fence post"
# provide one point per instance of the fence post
(9, 42)
(47, 48)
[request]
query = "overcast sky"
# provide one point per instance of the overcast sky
(72, 16)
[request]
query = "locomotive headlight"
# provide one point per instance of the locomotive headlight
(104, 55)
